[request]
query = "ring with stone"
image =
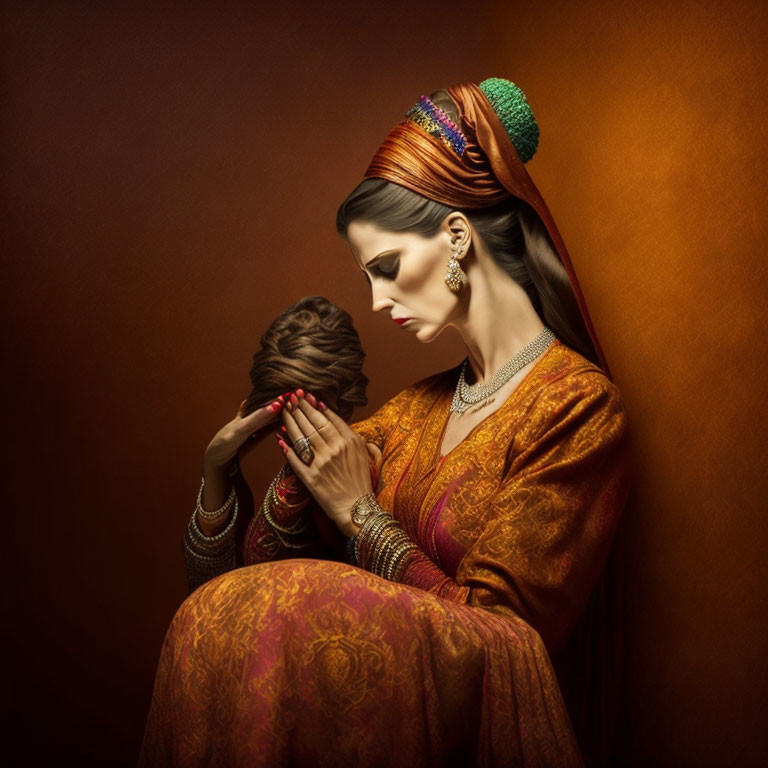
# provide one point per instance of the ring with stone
(303, 448)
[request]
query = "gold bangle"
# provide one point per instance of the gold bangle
(298, 526)
(215, 514)
(369, 534)
(363, 507)
(275, 526)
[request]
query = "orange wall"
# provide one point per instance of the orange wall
(653, 160)
(170, 181)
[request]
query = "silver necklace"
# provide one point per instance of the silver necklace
(466, 394)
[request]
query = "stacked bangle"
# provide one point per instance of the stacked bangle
(216, 514)
(209, 541)
(381, 545)
(284, 532)
(209, 556)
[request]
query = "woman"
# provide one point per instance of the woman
(475, 543)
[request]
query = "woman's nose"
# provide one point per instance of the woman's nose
(380, 301)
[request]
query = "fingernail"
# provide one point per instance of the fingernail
(322, 405)
(283, 428)
(300, 392)
(294, 399)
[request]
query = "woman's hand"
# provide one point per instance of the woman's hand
(340, 471)
(242, 433)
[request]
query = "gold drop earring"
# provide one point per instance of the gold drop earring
(455, 277)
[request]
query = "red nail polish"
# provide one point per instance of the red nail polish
(294, 399)
(283, 428)
(300, 392)
(321, 405)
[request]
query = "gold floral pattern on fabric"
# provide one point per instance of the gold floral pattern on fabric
(305, 661)
(316, 663)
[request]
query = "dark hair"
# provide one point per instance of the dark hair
(512, 232)
(313, 344)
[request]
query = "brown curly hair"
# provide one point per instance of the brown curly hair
(313, 344)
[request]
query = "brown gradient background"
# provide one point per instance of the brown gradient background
(170, 180)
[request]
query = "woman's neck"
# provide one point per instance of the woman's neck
(500, 321)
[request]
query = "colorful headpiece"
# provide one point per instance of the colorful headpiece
(475, 164)
(433, 120)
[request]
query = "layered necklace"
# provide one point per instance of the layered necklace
(467, 395)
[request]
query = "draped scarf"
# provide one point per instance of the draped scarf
(489, 171)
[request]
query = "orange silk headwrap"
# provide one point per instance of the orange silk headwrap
(488, 172)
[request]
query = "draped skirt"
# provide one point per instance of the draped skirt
(304, 662)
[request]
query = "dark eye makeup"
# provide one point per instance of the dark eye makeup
(387, 268)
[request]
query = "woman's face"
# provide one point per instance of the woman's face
(406, 273)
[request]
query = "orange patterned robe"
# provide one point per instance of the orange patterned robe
(313, 662)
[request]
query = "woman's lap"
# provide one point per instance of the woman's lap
(320, 663)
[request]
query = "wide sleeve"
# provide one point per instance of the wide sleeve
(549, 527)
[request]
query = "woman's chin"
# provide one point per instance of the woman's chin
(427, 333)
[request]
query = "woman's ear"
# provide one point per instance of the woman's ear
(457, 226)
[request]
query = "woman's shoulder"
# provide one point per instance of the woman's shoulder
(567, 379)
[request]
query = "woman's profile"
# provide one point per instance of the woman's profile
(471, 515)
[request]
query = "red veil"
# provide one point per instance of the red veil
(489, 171)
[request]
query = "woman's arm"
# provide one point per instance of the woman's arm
(547, 531)
(289, 523)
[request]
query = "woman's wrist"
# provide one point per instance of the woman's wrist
(207, 544)
(359, 511)
(212, 527)
(349, 529)
(380, 545)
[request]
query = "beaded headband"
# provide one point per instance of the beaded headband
(508, 102)
(434, 121)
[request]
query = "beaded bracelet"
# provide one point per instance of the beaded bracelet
(215, 515)
(208, 541)
(222, 554)
(277, 529)
(300, 524)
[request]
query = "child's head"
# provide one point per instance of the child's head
(313, 345)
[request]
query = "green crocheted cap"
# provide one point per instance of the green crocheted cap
(514, 111)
